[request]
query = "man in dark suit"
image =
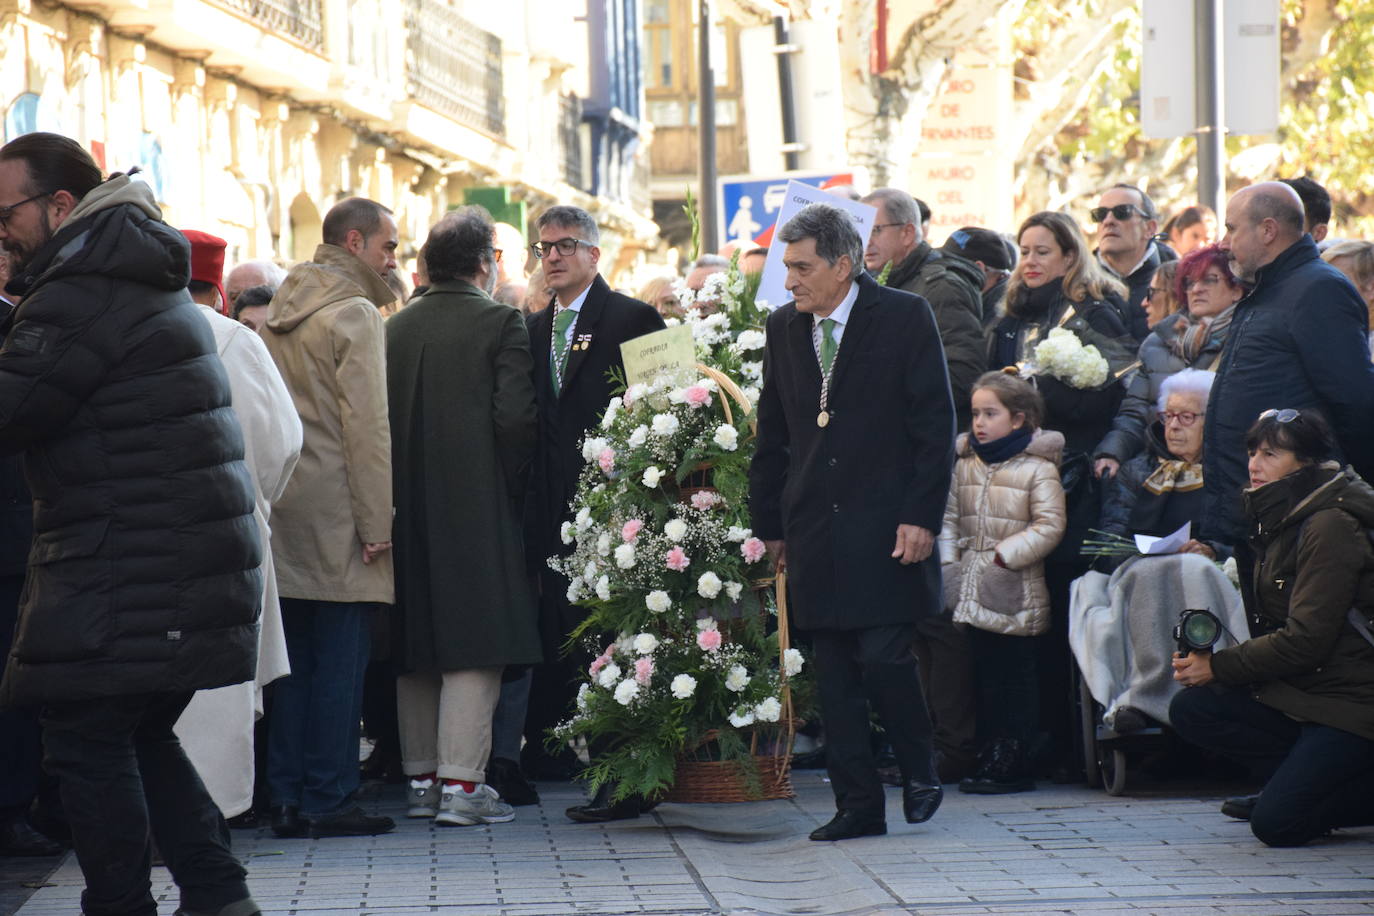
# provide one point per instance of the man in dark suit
(576, 343)
(847, 488)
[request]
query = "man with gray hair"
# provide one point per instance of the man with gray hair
(952, 286)
(1297, 340)
(847, 489)
(459, 620)
(576, 344)
(703, 267)
(249, 274)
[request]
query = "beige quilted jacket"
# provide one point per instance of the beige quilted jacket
(1014, 509)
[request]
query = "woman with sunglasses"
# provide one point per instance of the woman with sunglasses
(1192, 339)
(1296, 701)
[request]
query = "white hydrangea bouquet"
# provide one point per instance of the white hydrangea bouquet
(662, 557)
(1062, 355)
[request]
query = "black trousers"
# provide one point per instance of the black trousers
(124, 777)
(853, 666)
(21, 748)
(945, 657)
(1317, 777)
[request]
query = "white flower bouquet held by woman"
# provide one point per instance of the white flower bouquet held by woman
(1063, 356)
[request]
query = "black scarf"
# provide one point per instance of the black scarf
(999, 450)
(1037, 304)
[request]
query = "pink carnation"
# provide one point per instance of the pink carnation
(705, 499)
(631, 530)
(644, 669)
(709, 640)
(607, 460)
(753, 550)
(598, 663)
(677, 559)
(697, 396)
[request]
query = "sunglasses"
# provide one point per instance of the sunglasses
(1122, 212)
(1286, 415)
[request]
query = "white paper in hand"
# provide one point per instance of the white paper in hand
(1170, 543)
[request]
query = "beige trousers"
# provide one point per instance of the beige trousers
(445, 722)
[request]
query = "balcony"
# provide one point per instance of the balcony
(454, 67)
(300, 19)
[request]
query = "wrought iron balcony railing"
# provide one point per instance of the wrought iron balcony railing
(301, 19)
(454, 67)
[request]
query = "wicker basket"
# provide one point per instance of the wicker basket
(715, 781)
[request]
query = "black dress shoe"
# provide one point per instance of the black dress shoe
(601, 809)
(353, 822)
(287, 822)
(849, 824)
(1240, 807)
(507, 779)
(17, 838)
(920, 801)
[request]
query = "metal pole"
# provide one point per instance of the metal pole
(1211, 130)
(706, 129)
(783, 50)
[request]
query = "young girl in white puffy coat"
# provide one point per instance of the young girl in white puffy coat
(1004, 516)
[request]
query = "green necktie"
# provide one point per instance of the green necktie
(828, 345)
(558, 356)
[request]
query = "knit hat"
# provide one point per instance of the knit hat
(207, 262)
(975, 244)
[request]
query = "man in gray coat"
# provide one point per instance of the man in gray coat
(463, 429)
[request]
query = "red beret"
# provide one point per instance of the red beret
(207, 262)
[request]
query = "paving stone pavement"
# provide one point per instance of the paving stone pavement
(1061, 849)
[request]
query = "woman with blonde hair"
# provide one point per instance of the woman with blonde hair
(1356, 261)
(659, 293)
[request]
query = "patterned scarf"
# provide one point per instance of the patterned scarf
(1198, 334)
(1177, 476)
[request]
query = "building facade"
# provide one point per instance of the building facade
(250, 118)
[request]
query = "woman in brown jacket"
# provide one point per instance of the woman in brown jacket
(1296, 703)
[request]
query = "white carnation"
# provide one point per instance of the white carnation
(677, 396)
(626, 691)
(792, 662)
(589, 571)
(645, 643)
(706, 623)
(770, 710)
(611, 410)
(639, 436)
(652, 475)
(664, 424)
(675, 530)
(709, 585)
(683, 686)
(738, 535)
(565, 532)
(625, 556)
(603, 544)
(742, 717)
(751, 340)
(603, 588)
(727, 437)
(635, 392)
(608, 675)
(583, 520)
(736, 679)
(751, 394)
(592, 448)
(575, 590)
(658, 601)
(733, 590)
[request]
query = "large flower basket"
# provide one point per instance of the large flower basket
(767, 775)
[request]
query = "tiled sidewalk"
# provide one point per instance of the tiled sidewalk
(1057, 850)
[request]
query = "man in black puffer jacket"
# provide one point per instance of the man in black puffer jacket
(142, 581)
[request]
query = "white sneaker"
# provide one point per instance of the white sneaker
(423, 799)
(482, 806)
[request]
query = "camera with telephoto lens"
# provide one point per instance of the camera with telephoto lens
(1197, 631)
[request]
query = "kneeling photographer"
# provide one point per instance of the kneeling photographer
(1296, 703)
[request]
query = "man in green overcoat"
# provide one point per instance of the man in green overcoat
(463, 427)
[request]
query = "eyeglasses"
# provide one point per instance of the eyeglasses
(7, 212)
(1122, 212)
(1286, 415)
(1184, 417)
(565, 247)
(1150, 293)
(879, 227)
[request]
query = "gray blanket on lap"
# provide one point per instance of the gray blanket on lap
(1121, 627)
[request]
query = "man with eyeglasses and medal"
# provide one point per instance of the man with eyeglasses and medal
(576, 343)
(848, 489)
(1127, 222)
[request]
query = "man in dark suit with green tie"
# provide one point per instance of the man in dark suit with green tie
(576, 343)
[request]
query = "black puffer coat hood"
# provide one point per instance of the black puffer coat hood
(143, 576)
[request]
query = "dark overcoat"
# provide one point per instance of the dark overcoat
(836, 495)
(463, 428)
(605, 321)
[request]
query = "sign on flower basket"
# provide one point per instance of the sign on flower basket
(667, 352)
(686, 665)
